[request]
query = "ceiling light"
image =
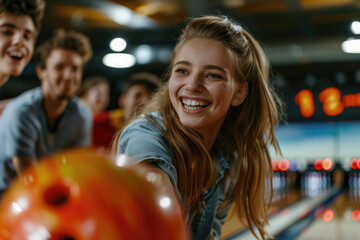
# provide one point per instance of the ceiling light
(351, 46)
(119, 60)
(355, 27)
(118, 44)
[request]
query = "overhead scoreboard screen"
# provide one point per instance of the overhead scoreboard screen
(330, 104)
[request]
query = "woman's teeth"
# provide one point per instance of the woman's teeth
(194, 104)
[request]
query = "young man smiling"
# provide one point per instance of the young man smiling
(19, 26)
(49, 118)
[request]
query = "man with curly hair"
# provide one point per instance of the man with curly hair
(20, 22)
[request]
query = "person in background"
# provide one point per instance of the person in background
(95, 93)
(20, 22)
(49, 118)
(206, 133)
(136, 93)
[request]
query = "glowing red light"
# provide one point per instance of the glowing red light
(318, 164)
(327, 164)
(284, 164)
(353, 163)
(328, 215)
(356, 215)
(275, 164)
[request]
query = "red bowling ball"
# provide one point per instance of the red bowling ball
(81, 194)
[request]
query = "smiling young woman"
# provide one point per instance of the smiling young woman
(207, 131)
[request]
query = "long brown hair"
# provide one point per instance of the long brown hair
(247, 131)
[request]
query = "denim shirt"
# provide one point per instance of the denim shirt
(142, 141)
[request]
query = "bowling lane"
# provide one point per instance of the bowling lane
(295, 196)
(339, 220)
(286, 193)
(309, 211)
(234, 227)
(336, 218)
(292, 217)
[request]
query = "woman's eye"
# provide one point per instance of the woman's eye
(180, 70)
(212, 75)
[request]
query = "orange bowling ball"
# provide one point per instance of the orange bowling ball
(82, 194)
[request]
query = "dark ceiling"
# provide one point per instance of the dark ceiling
(301, 37)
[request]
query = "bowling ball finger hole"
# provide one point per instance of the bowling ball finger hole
(58, 236)
(57, 195)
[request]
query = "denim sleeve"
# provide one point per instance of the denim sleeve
(142, 141)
